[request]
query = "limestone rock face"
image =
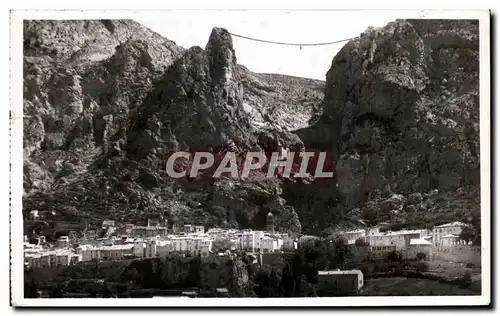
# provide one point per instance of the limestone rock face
(401, 109)
(281, 102)
(106, 102)
(198, 100)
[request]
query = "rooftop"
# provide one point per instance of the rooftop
(419, 242)
(339, 272)
(357, 231)
(452, 224)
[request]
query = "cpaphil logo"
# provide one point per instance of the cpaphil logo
(304, 166)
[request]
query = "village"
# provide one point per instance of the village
(156, 239)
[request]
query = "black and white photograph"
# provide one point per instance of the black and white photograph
(218, 157)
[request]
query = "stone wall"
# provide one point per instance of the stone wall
(462, 253)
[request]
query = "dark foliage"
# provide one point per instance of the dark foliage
(395, 256)
(298, 277)
(421, 256)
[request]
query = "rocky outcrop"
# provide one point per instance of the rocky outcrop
(281, 102)
(197, 103)
(401, 112)
(106, 102)
(82, 82)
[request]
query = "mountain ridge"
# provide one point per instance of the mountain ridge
(101, 120)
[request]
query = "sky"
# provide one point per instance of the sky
(193, 29)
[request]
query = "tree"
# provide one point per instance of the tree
(422, 267)
(221, 245)
(327, 232)
(421, 256)
(341, 253)
(288, 281)
(275, 279)
(30, 288)
(106, 290)
(468, 234)
(267, 283)
(56, 292)
(306, 288)
(102, 233)
(194, 276)
(361, 242)
(466, 280)
(395, 256)
(472, 232)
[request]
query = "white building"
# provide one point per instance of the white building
(421, 233)
(386, 239)
(63, 242)
(42, 258)
(75, 258)
(353, 234)
(139, 248)
(113, 252)
(381, 252)
(199, 230)
(449, 240)
(108, 223)
(149, 231)
(250, 240)
(89, 252)
(373, 231)
(206, 247)
(150, 249)
(418, 246)
(400, 238)
(269, 244)
(442, 235)
(34, 215)
(63, 258)
(178, 244)
(347, 281)
(117, 252)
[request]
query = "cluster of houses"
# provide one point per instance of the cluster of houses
(153, 240)
(408, 242)
(38, 256)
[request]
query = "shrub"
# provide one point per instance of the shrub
(422, 266)
(469, 265)
(361, 242)
(421, 256)
(395, 256)
(466, 280)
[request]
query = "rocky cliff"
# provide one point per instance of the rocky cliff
(106, 102)
(401, 114)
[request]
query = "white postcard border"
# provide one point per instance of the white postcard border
(17, 286)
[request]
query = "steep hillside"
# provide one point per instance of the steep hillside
(401, 113)
(106, 102)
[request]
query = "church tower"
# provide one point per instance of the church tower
(270, 223)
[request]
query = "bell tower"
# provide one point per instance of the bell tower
(270, 223)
